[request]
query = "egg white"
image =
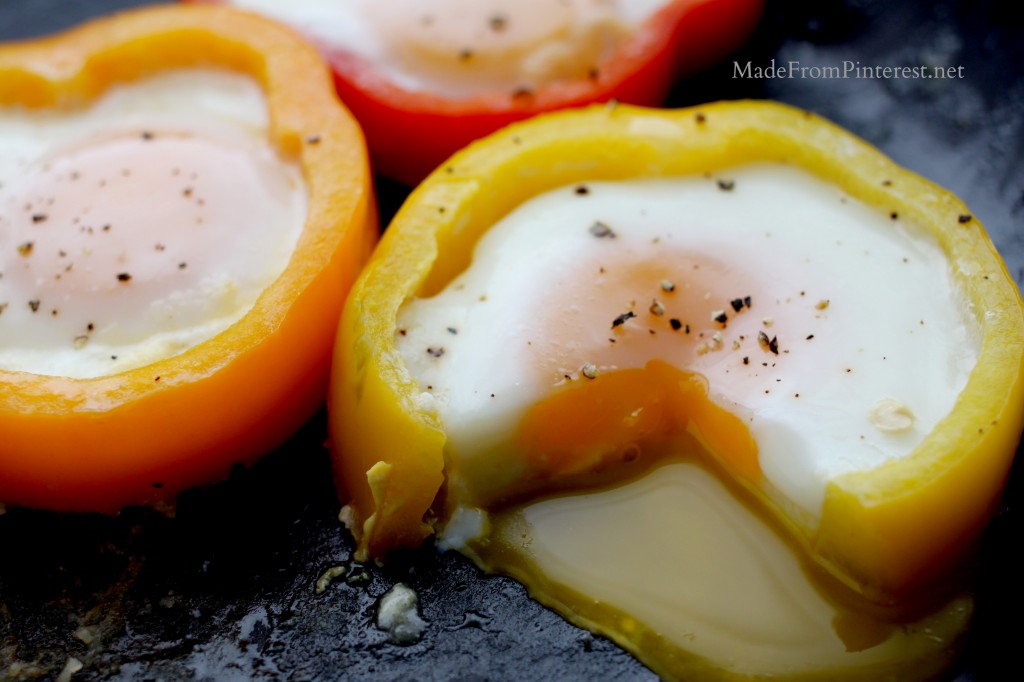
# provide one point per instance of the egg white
(462, 47)
(141, 225)
(861, 305)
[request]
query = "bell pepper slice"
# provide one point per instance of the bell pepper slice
(142, 436)
(886, 532)
(411, 132)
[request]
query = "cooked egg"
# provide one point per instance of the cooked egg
(833, 332)
(140, 226)
(609, 333)
(723, 384)
(184, 205)
(460, 48)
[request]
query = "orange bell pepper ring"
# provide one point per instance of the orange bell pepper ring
(143, 435)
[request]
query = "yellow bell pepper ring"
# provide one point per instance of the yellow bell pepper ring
(887, 532)
(143, 435)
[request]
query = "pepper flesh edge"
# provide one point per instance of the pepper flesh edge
(102, 444)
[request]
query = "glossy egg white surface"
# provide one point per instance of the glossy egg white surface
(849, 344)
(137, 227)
(461, 48)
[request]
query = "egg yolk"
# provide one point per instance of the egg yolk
(625, 416)
(122, 247)
(610, 405)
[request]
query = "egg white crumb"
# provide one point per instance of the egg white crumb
(465, 525)
(71, 666)
(328, 577)
(397, 615)
(891, 416)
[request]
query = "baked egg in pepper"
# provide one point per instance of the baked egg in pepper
(724, 384)
(183, 205)
(426, 78)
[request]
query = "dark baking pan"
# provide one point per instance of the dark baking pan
(226, 589)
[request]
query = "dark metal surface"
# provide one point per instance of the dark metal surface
(225, 590)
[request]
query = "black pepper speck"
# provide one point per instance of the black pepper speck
(621, 319)
(602, 230)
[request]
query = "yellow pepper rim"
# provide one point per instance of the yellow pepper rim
(432, 237)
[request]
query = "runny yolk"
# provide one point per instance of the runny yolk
(625, 389)
(626, 415)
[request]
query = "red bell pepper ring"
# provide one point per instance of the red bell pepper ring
(410, 133)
